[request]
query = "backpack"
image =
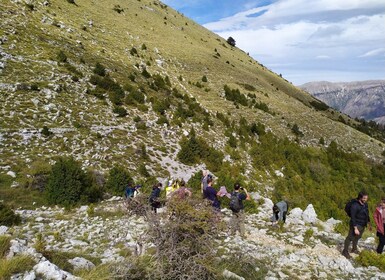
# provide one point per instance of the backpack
(235, 204)
(129, 192)
(348, 206)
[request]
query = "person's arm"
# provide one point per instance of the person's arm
(247, 194)
(353, 211)
(376, 217)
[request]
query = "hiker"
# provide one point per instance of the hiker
(206, 175)
(183, 192)
(154, 197)
(359, 219)
(132, 192)
(211, 194)
(279, 212)
(173, 185)
(237, 222)
(379, 219)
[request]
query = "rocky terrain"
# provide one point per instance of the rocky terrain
(305, 248)
(363, 100)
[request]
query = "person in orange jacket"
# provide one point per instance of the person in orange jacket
(379, 218)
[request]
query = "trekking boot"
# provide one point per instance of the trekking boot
(355, 251)
(346, 254)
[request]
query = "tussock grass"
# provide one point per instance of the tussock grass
(4, 245)
(15, 265)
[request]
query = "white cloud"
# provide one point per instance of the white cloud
(376, 52)
(296, 32)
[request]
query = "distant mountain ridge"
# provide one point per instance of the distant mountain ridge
(361, 99)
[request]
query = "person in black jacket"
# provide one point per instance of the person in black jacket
(359, 219)
(154, 197)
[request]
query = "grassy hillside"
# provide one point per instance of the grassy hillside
(164, 74)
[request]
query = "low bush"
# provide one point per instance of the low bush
(61, 57)
(69, 184)
(194, 150)
(117, 180)
(99, 70)
(120, 111)
(8, 216)
(371, 258)
(235, 95)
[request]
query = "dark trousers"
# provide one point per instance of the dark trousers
(353, 238)
(381, 243)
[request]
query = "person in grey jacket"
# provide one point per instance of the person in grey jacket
(279, 212)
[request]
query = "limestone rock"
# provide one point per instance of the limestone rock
(231, 275)
(309, 215)
(51, 271)
(3, 230)
(12, 174)
(81, 263)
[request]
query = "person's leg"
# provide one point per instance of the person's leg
(348, 239)
(241, 223)
(356, 238)
(233, 222)
(284, 216)
(381, 243)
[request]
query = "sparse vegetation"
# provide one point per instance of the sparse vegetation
(371, 258)
(8, 216)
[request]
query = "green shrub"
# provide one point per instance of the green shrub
(117, 180)
(163, 120)
(8, 216)
(204, 79)
(133, 51)
(143, 170)
(371, 258)
(118, 9)
(160, 106)
(99, 70)
(46, 132)
(145, 73)
(141, 125)
(235, 95)
(61, 57)
(120, 111)
(295, 129)
(195, 149)
(319, 105)
(68, 183)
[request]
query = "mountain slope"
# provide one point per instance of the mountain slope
(163, 76)
(363, 100)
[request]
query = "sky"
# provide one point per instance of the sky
(304, 40)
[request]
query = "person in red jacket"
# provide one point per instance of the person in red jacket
(379, 218)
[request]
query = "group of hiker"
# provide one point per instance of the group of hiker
(357, 209)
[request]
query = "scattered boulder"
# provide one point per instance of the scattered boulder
(50, 271)
(81, 263)
(3, 230)
(12, 174)
(309, 215)
(231, 275)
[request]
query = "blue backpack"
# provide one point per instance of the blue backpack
(129, 192)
